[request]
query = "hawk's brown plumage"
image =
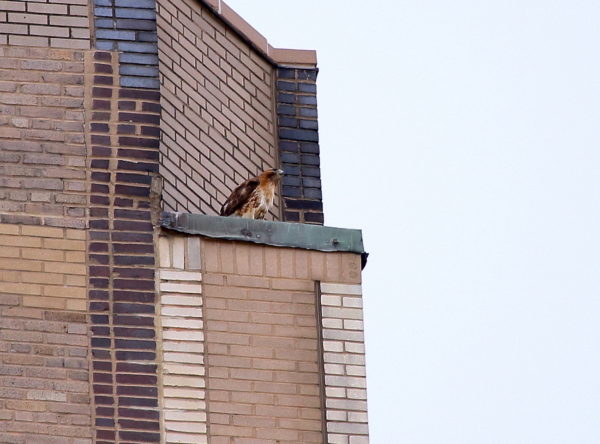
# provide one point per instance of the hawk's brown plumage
(253, 198)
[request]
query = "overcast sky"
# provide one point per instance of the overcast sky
(463, 137)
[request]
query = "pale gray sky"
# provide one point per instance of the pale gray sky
(463, 137)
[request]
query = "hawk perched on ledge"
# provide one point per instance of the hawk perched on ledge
(253, 198)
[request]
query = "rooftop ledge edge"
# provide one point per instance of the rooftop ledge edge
(278, 56)
(279, 234)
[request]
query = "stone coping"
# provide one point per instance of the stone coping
(280, 234)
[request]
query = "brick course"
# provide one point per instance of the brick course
(56, 24)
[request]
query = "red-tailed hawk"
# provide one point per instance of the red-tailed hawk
(254, 197)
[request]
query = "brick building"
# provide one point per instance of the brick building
(129, 311)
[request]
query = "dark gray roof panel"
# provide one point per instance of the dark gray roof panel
(280, 234)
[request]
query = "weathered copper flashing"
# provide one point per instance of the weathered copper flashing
(278, 56)
(280, 234)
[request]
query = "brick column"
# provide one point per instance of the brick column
(183, 376)
(344, 364)
(124, 159)
(299, 145)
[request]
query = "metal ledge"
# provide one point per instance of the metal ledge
(280, 234)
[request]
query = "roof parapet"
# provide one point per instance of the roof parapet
(278, 56)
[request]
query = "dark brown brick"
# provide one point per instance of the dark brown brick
(102, 377)
(138, 321)
(103, 80)
(129, 378)
(138, 297)
(134, 332)
(99, 295)
(100, 104)
(135, 356)
(153, 131)
(101, 116)
(126, 105)
(100, 331)
(138, 402)
(105, 434)
(133, 308)
(138, 413)
(99, 259)
(129, 190)
(105, 422)
(138, 166)
(102, 68)
(103, 56)
(143, 425)
(128, 225)
(134, 178)
(99, 306)
(135, 345)
(139, 142)
(105, 411)
(99, 319)
(152, 107)
(102, 365)
(139, 154)
(123, 202)
(133, 248)
(134, 260)
(139, 118)
(140, 94)
(102, 151)
(136, 368)
(120, 236)
(103, 93)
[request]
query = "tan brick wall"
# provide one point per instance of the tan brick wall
(43, 267)
(218, 117)
(56, 23)
(262, 345)
(241, 337)
(44, 388)
(42, 161)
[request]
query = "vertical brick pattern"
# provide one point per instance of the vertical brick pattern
(183, 371)
(344, 364)
(123, 135)
(53, 23)
(218, 109)
(262, 346)
(43, 154)
(44, 388)
(129, 27)
(299, 144)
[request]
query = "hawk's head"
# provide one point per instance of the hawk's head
(272, 174)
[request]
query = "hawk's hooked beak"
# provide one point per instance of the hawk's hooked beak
(280, 172)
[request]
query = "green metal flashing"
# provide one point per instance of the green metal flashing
(280, 234)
